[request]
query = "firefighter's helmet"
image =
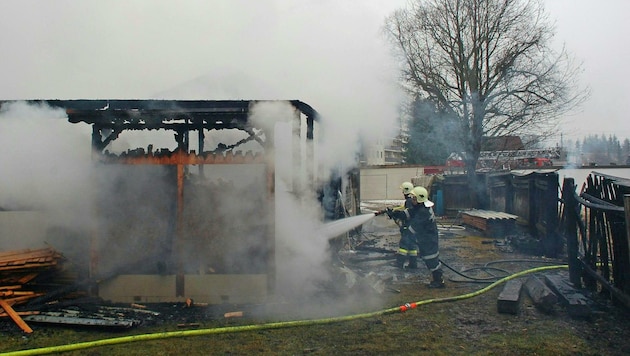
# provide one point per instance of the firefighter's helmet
(422, 196)
(420, 193)
(406, 187)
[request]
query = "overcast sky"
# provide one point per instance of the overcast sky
(596, 32)
(328, 53)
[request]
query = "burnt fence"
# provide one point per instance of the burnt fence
(595, 225)
(532, 195)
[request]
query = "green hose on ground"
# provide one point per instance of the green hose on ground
(267, 326)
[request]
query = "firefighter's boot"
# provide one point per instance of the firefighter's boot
(413, 262)
(438, 281)
(400, 261)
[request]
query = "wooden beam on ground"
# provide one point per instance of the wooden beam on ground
(8, 293)
(20, 313)
(16, 318)
(574, 301)
(509, 299)
(543, 297)
(22, 298)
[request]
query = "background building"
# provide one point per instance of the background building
(384, 152)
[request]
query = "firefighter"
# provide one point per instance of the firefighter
(424, 229)
(406, 188)
(407, 250)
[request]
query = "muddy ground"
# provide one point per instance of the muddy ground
(471, 259)
(365, 282)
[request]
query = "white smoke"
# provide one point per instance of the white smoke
(303, 252)
(300, 255)
(326, 54)
(45, 163)
(49, 168)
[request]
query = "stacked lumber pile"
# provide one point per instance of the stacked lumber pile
(18, 270)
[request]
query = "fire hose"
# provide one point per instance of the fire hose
(269, 326)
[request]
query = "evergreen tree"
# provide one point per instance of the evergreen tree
(431, 134)
(601, 150)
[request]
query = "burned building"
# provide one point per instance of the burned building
(193, 217)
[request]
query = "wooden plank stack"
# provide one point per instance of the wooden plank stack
(19, 268)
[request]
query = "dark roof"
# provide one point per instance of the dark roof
(151, 114)
(502, 143)
(111, 117)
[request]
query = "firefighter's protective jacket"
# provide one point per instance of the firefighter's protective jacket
(423, 226)
(402, 215)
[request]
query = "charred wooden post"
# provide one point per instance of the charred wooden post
(618, 238)
(546, 213)
(179, 235)
(626, 204)
(571, 217)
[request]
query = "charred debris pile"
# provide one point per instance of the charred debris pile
(42, 287)
(28, 277)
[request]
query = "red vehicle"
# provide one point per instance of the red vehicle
(507, 162)
(537, 162)
(455, 160)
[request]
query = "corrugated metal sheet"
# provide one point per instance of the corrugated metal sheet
(489, 214)
(493, 223)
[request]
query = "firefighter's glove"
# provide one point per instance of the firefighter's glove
(387, 211)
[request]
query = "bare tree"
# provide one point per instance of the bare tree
(487, 63)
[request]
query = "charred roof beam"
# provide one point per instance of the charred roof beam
(102, 137)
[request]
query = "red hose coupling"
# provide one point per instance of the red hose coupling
(407, 306)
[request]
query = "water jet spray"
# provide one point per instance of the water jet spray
(338, 227)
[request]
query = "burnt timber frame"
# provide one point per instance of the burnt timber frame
(110, 118)
(594, 222)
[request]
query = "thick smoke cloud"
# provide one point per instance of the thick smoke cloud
(128, 211)
(45, 163)
(328, 54)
